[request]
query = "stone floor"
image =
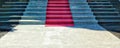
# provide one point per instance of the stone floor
(39, 36)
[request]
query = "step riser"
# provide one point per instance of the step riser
(53, 5)
(15, 4)
(103, 10)
(31, 23)
(107, 14)
(78, 12)
(41, 23)
(63, 8)
(102, 7)
(99, 3)
(43, 18)
(17, 7)
(24, 23)
(3, 11)
(11, 14)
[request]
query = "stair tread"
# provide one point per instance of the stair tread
(55, 5)
(14, 5)
(54, 8)
(61, 20)
(23, 21)
(58, 16)
(80, 12)
(16, 2)
(12, 8)
(58, 2)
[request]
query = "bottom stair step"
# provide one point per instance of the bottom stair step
(31, 22)
(24, 22)
(113, 28)
(5, 28)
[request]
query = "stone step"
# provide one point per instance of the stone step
(15, 3)
(23, 22)
(57, 2)
(80, 21)
(5, 28)
(107, 10)
(58, 16)
(57, 8)
(55, 12)
(43, 21)
(60, 5)
(99, 0)
(100, 3)
(54, 1)
(101, 7)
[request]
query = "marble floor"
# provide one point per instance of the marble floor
(39, 36)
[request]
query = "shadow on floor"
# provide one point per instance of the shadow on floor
(3, 33)
(116, 34)
(114, 28)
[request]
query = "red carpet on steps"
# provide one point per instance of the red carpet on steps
(58, 13)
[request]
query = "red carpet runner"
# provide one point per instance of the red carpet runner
(58, 13)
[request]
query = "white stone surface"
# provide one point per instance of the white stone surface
(39, 36)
